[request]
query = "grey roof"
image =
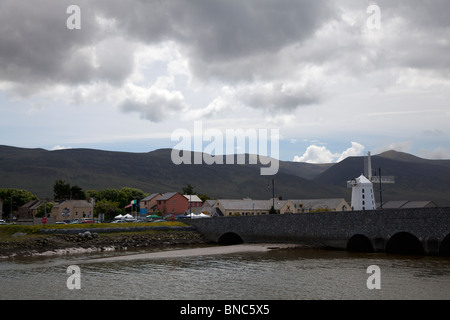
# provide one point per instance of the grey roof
(394, 204)
(150, 197)
(246, 204)
(419, 204)
(404, 204)
(192, 198)
(167, 196)
(33, 204)
(317, 203)
(208, 203)
(75, 203)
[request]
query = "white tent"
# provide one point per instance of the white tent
(119, 217)
(201, 215)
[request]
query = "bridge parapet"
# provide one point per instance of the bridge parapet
(430, 226)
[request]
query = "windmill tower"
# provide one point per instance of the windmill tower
(362, 187)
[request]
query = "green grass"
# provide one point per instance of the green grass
(6, 231)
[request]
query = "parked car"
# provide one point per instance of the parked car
(2, 222)
(86, 220)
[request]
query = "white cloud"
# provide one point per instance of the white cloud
(154, 103)
(316, 154)
(356, 149)
(438, 153)
(59, 147)
(320, 154)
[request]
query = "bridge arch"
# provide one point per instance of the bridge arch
(404, 243)
(230, 238)
(359, 243)
(444, 248)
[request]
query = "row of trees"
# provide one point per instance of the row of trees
(108, 201)
(13, 199)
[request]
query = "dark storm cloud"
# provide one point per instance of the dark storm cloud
(262, 44)
(38, 50)
(37, 47)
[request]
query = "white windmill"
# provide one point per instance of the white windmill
(362, 187)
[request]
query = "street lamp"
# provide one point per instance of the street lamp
(273, 192)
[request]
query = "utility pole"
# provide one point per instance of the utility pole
(273, 193)
(381, 192)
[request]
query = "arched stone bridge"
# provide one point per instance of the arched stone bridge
(410, 231)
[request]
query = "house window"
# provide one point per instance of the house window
(363, 190)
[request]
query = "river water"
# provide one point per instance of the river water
(226, 273)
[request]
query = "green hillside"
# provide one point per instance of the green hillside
(36, 171)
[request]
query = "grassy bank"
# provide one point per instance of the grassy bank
(7, 231)
(19, 240)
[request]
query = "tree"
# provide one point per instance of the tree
(61, 190)
(127, 194)
(272, 210)
(14, 198)
(109, 208)
(203, 197)
(76, 193)
(189, 189)
(45, 207)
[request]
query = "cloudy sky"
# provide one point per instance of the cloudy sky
(334, 77)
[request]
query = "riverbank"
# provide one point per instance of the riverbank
(21, 244)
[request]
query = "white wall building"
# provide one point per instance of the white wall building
(362, 194)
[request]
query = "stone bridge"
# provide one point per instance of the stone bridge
(405, 231)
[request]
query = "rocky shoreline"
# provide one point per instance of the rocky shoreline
(89, 241)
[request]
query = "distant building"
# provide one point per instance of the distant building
(194, 203)
(149, 204)
(73, 209)
(308, 205)
(208, 206)
(247, 207)
(29, 210)
(405, 204)
(172, 203)
(244, 207)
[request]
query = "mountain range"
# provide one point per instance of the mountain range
(36, 170)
